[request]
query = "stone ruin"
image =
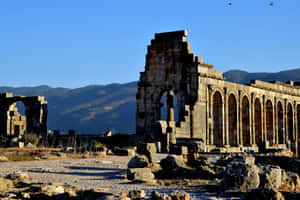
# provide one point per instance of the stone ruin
(13, 124)
(203, 108)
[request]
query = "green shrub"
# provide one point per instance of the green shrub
(31, 138)
(97, 145)
(3, 140)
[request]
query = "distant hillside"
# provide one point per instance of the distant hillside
(90, 109)
(97, 108)
(243, 77)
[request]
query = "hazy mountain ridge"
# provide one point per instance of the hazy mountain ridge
(244, 77)
(97, 108)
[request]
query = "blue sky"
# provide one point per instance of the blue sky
(73, 43)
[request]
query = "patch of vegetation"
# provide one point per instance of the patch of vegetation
(97, 146)
(31, 138)
(3, 140)
(19, 155)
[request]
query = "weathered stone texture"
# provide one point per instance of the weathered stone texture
(223, 115)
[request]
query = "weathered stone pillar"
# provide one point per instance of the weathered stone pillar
(170, 106)
(251, 117)
(209, 116)
(285, 121)
(223, 121)
(262, 119)
(265, 118)
(273, 121)
(237, 122)
(276, 121)
(296, 127)
(240, 120)
(226, 118)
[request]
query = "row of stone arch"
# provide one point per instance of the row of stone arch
(235, 123)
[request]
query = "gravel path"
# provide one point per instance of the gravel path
(96, 173)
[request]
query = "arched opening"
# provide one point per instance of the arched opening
(169, 106)
(16, 120)
(257, 121)
(290, 122)
(269, 121)
(280, 123)
(217, 119)
(245, 121)
(21, 108)
(232, 120)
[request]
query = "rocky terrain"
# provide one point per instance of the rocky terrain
(103, 175)
(145, 174)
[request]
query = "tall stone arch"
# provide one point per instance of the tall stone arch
(269, 122)
(246, 121)
(217, 119)
(232, 120)
(258, 121)
(280, 122)
(290, 124)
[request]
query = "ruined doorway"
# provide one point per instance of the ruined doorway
(290, 122)
(280, 123)
(258, 121)
(245, 121)
(269, 122)
(167, 104)
(232, 120)
(217, 119)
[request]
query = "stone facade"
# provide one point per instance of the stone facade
(11, 123)
(220, 114)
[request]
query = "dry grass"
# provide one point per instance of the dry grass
(28, 154)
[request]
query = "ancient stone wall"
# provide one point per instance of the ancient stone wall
(218, 113)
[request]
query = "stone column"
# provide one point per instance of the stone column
(273, 121)
(237, 121)
(209, 114)
(296, 128)
(170, 107)
(262, 119)
(294, 121)
(285, 121)
(253, 119)
(276, 121)
(223, 122)
(240, 120)
(226, 117)
(251, 116)
(265, 118)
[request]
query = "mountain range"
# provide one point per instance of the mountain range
(98, 108)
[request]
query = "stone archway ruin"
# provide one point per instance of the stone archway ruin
(258, 121)
(232, 120)
(217, 113)
(280, 119)
(35, 111)
(217, 119)
(269, 122)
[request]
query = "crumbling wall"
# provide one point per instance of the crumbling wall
(220, 114)
(35, 111)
